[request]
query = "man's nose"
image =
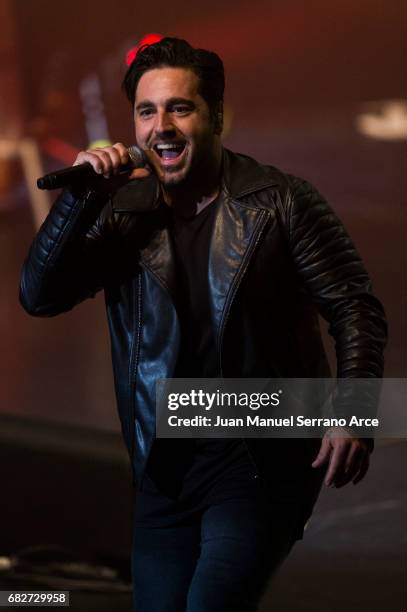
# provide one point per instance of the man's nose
(164, 125)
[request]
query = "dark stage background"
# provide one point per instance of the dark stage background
(316, 88)
(298, 76)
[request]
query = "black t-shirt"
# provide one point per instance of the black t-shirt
(191, 239)
(185, 475)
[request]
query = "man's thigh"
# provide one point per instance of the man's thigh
(242, 544)
(163, 563)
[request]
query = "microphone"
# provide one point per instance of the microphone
(85, 172)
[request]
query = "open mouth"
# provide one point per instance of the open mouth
(169, 151)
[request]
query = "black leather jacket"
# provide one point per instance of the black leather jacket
(278, 255)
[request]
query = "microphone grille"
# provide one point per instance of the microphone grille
(137, 156)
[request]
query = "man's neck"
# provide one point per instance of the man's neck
(206, 201)
(190, 199)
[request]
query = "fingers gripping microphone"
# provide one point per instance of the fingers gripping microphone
(84, 172)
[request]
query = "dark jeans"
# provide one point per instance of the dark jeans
(219, 561)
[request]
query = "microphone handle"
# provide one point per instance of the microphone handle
(73, 174)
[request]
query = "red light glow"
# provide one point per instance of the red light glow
(148, 39)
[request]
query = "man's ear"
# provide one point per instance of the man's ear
(219, 119)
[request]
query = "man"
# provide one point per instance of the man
(212, 266)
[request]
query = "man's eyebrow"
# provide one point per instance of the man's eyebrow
(144, 104)
(169, 102)
(179, 100)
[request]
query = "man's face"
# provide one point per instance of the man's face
(173, 120)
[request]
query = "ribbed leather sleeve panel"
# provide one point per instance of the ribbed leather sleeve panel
(60, 268)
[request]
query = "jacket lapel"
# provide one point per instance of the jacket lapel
(158, 258)
(236, 231)
(237, 228)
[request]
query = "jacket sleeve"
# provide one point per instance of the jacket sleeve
(332, 272)
(68, 258)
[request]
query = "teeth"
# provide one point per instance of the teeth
(168, 146)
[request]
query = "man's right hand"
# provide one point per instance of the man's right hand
(106, 161)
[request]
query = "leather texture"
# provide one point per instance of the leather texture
(278, 256)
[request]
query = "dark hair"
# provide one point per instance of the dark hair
(178, 53)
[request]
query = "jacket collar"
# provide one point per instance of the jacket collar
(243, 175)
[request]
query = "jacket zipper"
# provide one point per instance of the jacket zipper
(133, 372)
(255, 240)
(257, 235)
(148, 269)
